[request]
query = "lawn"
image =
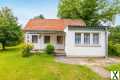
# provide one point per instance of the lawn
(114, 67)
(39, 67)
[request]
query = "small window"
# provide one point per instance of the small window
(34, 38)
(46, 39)
(59, 39)
(96, 38)
(27, 38)
(86, 38)
(77, 38)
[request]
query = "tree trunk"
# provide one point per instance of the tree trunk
(3, 46)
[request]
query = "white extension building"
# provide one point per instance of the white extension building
(72, 37)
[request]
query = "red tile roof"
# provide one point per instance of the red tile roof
(51, 24)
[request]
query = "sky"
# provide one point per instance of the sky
(27, 9)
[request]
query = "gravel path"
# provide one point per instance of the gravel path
(95, 64)
(101, 71)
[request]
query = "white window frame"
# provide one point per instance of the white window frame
(97, 40)
(90, 43)
(87, 39)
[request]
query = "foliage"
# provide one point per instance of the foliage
(114, 41)
(114, 49)
(27, 50)
(39, 17)
(115, 34)
(42, 67)
(49, 49)
(113, 67)
(10, 31)
(93, 12)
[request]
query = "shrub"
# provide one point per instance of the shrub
(117, 48)
(114, 49)
(27, 50)
(114, 41)
(49, 49)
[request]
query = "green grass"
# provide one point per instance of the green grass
(114, 67)
(39, 67)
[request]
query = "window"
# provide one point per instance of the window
(59, 39)
(86, 38)
(96, 38)
(77, 38)
(46, 39)
(34, 38)
(27, 37)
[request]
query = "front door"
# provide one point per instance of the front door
(59, 42)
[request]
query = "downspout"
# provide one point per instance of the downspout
(106, 43)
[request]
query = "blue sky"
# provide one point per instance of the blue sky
(27, 9)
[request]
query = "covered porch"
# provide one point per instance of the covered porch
(42, 38)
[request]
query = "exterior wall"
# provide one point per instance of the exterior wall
(41, 44)
(73, 50)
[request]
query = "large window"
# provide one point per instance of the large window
(95, 38)
(34, 38)
(46, 39)
(86, 38)
(77, 38)
(59, 39)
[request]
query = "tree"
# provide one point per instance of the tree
(93, 12)
(114, 41)
(114, 35)
(10, 31)
(39, 17)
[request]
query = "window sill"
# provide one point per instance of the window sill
(85, 45)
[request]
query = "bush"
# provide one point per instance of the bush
(27, 50)
(117, 47)
(114, 41)
(49, 49)
(114, 49)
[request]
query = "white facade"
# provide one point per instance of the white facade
(72, 49)
(82, 50)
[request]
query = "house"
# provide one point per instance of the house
(70, 36)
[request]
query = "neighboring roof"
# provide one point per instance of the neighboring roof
(52, 24)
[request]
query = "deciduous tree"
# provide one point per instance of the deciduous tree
(39, 17)
(10, 31)
(93, 12)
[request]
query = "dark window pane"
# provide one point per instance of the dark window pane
(34, 38)
(86, 38)
(77, 38)
(46, 39)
